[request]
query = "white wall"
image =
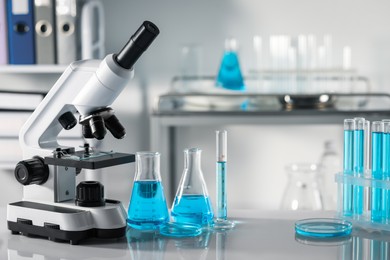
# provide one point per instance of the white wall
(261, 158)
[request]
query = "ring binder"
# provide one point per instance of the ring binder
(21, 31)
(44, 31)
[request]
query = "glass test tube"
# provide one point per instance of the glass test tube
(367, 165)
(377, 149)
(349, 127)
(358, 164)
(386, 169)
(221, 175)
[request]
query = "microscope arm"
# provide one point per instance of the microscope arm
(84, 87)
(77, 90)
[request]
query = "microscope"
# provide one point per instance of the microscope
(53, 206)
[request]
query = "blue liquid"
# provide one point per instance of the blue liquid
(358, 167)
(386, 175)
(229, 75)
(148, 208)
(192, 209)
(376, 195)
(322, 229)
(221, 191)
(358, 155)
(376, 250)
(348, 169)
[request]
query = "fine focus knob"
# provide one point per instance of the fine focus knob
(67, 120)
(90, 194)
(32, 171)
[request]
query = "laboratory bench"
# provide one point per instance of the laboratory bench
(257, 235)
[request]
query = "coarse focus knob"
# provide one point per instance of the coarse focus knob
(67, 120)
(90, 194)
(32, 171)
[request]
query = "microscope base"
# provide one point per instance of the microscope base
(66, 224)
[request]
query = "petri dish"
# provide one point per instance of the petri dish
(172, 229)
(323, 241)
(323, 227)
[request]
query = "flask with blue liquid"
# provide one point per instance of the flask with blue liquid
(192, 203)
(229, 75)
(148, 208)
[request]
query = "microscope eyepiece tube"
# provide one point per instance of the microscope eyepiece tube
(137, 44)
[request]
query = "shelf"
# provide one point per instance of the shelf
(196, 108)
(33, 69)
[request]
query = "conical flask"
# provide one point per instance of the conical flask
(192, 202)
(229, 75)
(148, 207)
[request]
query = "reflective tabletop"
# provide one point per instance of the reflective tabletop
(257, 235)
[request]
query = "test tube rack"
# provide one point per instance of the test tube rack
(363, 221)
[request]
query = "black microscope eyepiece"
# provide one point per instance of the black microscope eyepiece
(137, 44)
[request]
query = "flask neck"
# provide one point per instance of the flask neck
(147, 166)
(192, 159)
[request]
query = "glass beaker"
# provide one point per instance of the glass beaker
(148, 207)
(192, 203)
(302, 191)
(229, 75)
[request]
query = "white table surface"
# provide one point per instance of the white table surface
(258, 235)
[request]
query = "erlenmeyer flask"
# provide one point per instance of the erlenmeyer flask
(302, 191)
(148, 207)
(229, 75)
(192, 202)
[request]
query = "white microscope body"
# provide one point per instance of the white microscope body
(50, 207)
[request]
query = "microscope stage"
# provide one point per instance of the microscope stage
(93, 161)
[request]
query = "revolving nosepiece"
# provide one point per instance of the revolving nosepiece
(137, 44)
(221, 145)
(95, 125)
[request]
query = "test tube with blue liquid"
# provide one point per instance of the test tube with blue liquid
(349, 127)
(221, 221)
(377, 172)
(358, 164)
(148, 208)
(386, 169)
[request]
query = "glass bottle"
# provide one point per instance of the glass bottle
(148, 207)
(192, 203)
(302, 191)
(229, 75)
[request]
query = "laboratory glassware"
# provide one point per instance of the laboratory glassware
(174, 229)
(329, 165)
(358, 164)
(377, 173)
(349, 127)
(302, 191)
(323, 227)
(148, 208)
(386, 169)
(229, 75)
(191, 60)
(192, 203)
(221, 221)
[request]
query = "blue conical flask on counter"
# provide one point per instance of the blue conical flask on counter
(192, 203)
(148, 208)
(229, 75)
